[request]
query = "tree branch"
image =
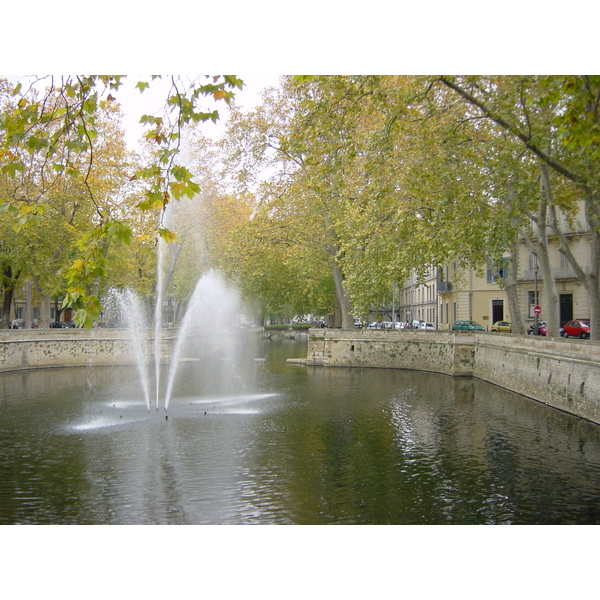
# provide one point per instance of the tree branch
(514, 130)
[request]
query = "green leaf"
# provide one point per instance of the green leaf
(303, 78)
(121, 232)
(180, 173)
(11, 169)
(154, 199)
(167, 235)
(8, 207)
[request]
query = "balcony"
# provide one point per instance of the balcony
(444, 286)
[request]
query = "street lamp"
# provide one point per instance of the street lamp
(536, 302)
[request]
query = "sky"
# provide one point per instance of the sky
(152, 100)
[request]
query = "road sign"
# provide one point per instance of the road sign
(537, 310)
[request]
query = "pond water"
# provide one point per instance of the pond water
(292, 445)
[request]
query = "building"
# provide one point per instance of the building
(468, 294)
(455, 291)
(418, 298)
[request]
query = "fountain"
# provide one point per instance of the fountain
(209, 331)
(133, 319)
(158, 315)
(210, 319)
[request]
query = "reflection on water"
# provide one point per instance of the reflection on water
(298, 446)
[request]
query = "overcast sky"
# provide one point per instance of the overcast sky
(152, 100)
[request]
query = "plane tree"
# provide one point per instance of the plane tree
(445, 182)
(555, 121)
(294, 152)
(53, 218)
(58, 120)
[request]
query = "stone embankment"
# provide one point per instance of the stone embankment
(562, 373)
(43, 348)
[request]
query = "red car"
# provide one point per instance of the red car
(579, 328)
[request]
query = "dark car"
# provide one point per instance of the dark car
(467, 326)
(579, 328)
(62, 325)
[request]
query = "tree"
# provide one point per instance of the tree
(556, 121)
(52, 215)
(60, 125)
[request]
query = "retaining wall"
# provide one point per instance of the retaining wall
(42, 348)
(562, 373)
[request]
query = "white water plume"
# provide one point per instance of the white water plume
(124, 308)
(211, 313)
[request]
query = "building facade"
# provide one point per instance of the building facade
(456, 292)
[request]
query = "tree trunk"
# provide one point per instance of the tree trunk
(589, 280)
(28, 313)
(8, 283)
(593, 278)
(347, 320)
(551, 311)
(510, 286)
(6, 302)
(44, 319)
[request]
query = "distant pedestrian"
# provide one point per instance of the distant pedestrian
(14, 324)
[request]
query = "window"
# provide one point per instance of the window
(533, 262)
(533, 301)
(499, 270)
(564, 261)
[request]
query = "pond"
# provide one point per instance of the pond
(289, 445)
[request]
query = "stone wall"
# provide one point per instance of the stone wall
(562, 373)
(45, 348)
(23, 349)
(437, 351)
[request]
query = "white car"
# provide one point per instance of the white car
(426, 326)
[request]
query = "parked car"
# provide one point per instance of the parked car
(579, 328)
(426, 326)
(62, 325)
(502, 327)
(542, 329)
(467, 326)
